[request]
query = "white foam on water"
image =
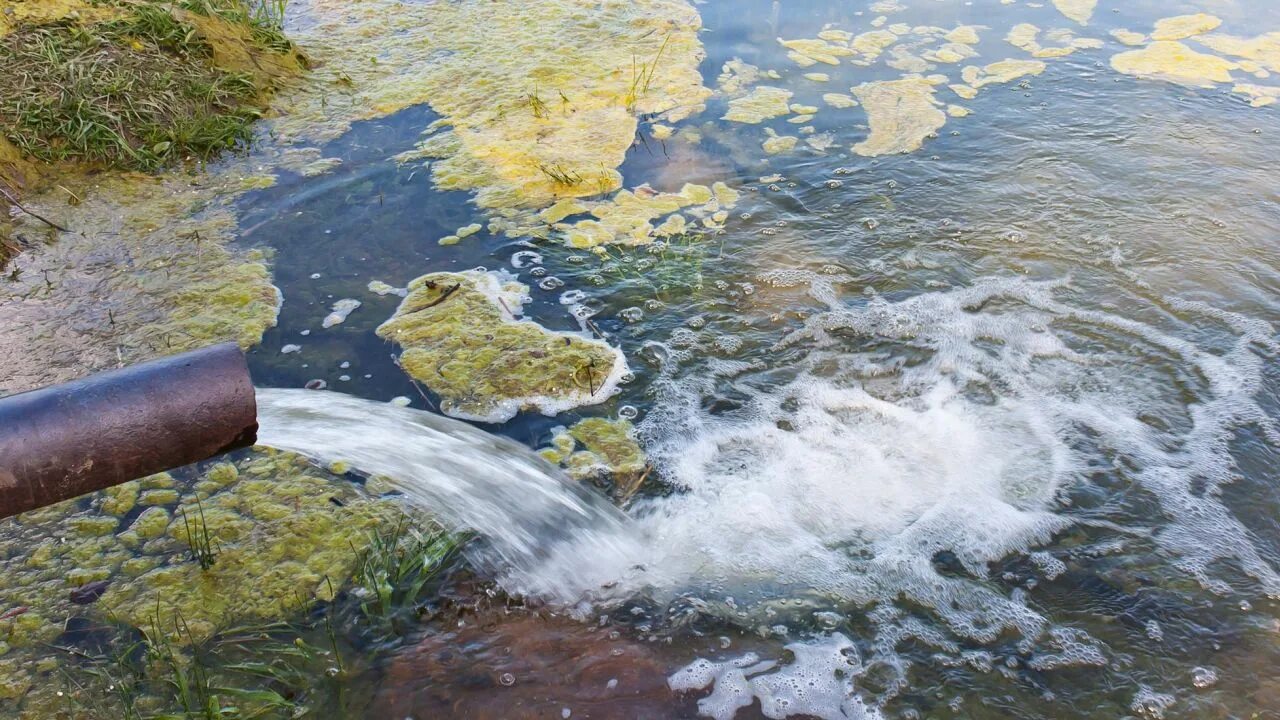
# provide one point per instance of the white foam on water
(877, 438)
(949, 421)
(818, 681)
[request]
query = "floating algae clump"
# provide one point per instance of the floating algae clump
(807, 53)
(1129, 37)
(1000, 72)
(1259, 95)
(1172, 61)
(461, 337)
(1184, 26)
(1025, 36)
(1078, 10)
(901, 114)
(627, 218)
(540, 99)
(597, 447)
(1263, 50)
(775, 143)
(762, 103)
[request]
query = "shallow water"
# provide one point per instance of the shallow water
(986, 428)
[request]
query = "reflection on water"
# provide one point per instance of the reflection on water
(985, 428)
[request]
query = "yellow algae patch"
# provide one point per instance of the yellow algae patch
(462, 338)
(963, 34)
(808, 52)
(1171, 60)
(839, 100)
(950, 53)
(561, 210)
(900, 113)
(736, 75)
(597, 447)
(762, 103)
(1129, 37)
(1264, 49)
(1184, 26)
(776, 143)
(905, 60)
(148, 271)
(1260, 95)
(835, 36)
(627, 218)
(1025, 36)
(957, 111)
(660, 131)
(540, 98)
(964, 91)
(817, 77)
(1000, 72)
(1078, 10)
(871, 44)
(44, 12)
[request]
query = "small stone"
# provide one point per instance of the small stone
(89, 592)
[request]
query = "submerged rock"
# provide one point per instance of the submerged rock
(462, 338)
(522, 665)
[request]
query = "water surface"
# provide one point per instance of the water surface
(982, 429)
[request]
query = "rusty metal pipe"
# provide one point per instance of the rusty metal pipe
(66, 440)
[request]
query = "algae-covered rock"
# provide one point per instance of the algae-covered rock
(462, 338)
(94, 526)
(158, 497)
(151, 523)
(599, 447)
(120, 499)
(613, 440)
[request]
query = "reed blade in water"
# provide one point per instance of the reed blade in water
(531, 517)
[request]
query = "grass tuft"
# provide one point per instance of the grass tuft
(199, 539)
(393, 570)
(138, 92)
(560, 175)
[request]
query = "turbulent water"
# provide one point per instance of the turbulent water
(528, 514)
(985, 428)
